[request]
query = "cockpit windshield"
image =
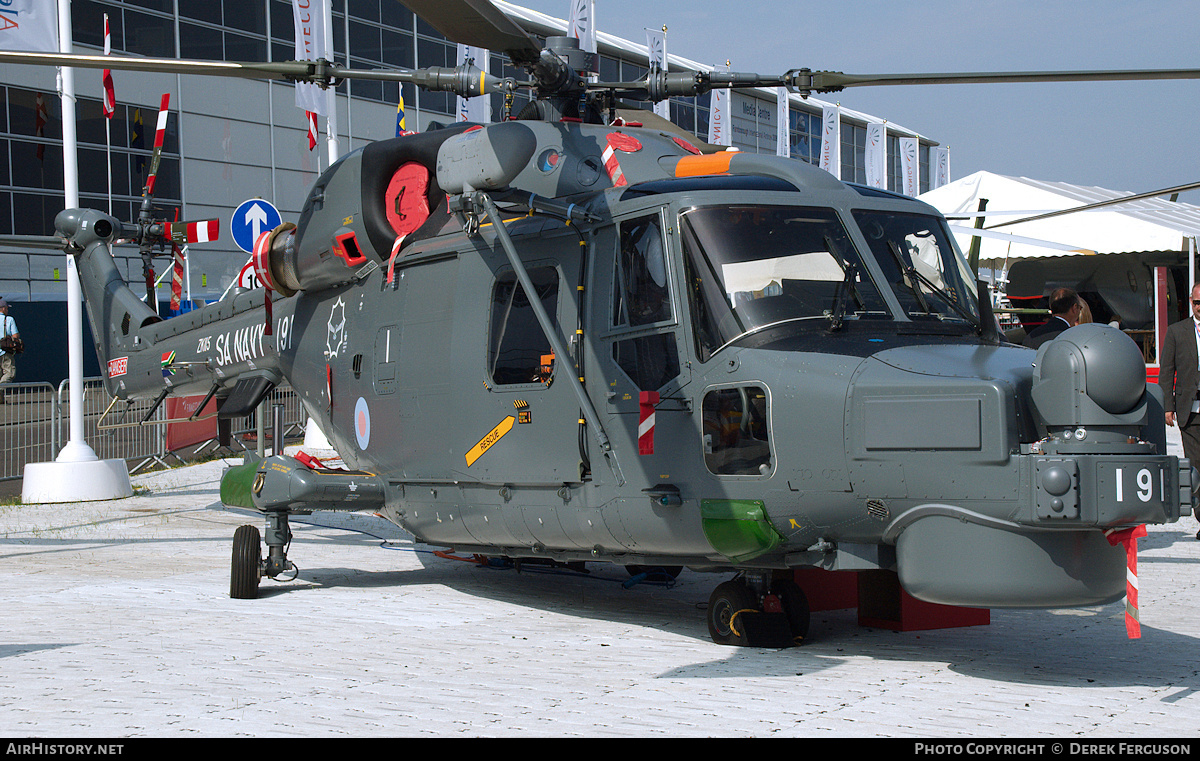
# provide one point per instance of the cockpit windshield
(752, 267)
(925, 269)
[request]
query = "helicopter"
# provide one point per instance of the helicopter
(567, 337)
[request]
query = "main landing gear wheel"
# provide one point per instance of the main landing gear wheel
(247, 563)
(734, 612)
(727, 601)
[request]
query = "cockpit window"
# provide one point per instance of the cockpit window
(753, 267)
(926, 270)
(641, 296)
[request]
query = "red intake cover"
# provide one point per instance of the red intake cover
(405, 200)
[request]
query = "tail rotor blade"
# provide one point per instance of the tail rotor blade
(203, 231)
(159, 134)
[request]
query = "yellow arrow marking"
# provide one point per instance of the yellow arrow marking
(486, 442)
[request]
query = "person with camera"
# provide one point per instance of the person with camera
(10, 343)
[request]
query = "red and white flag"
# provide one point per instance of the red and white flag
(41, 117)
(177, 280)
(110, 95)
(311, 118)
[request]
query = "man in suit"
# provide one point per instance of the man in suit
(1179, 379)
(1065, 308)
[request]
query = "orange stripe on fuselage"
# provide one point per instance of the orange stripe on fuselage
(712, 163)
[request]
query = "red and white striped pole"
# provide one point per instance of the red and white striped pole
(1128, 538)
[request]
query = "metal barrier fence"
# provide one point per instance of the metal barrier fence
(34, 425)
(27, 425)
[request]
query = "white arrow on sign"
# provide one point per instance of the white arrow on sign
(256, 215)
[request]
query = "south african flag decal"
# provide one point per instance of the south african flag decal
(168, 359)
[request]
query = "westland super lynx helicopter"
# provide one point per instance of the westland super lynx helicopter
(568, 338)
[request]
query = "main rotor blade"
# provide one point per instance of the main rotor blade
(1010, 238)
(479, 23)
(33, 241)
(1101, 204)
(467, 81)
(286, 70)
(805, 80)
(659, 85)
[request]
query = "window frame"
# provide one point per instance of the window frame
(772, 460)
(490, 343)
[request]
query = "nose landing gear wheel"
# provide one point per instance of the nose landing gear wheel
(727, 601)
(246, 569)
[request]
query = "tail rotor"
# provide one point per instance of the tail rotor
(154, 233)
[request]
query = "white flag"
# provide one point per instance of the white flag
(942, 172)
(479, 108)
(310, 45)
(656, 43)
(582, 24)
(909, 170)
(876, 158)
(720, 126)
(29, 25)
(783, 117)
(831, 140)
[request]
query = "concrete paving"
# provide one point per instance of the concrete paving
(117, 623)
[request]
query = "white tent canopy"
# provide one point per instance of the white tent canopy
(1153, 224)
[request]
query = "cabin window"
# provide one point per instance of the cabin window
(736, 431)
(518, 350)
(641, 295)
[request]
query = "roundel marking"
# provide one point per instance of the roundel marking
(548, 161)
(362, 423)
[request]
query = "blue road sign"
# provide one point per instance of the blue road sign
(251, 219)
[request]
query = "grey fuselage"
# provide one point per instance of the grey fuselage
(878, 429)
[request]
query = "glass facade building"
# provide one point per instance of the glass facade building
(231, 140)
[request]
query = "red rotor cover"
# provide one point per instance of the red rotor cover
(622, 142)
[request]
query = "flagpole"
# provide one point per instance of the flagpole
(76, 449)
(107, 120)
(314, 437)
(330, 94)
(77, 474)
